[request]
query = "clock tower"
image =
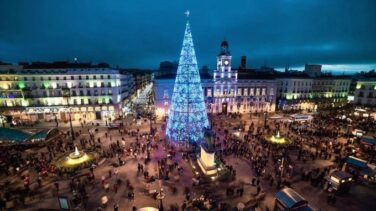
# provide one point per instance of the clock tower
(225, 80)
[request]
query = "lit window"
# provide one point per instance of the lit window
(251, 91)
(209, 92)
(239, 92)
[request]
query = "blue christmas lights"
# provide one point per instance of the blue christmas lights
(187, 116)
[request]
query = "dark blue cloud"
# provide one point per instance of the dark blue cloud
(141, 33)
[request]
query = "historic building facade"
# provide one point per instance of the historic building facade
(365, 92)
(311, 93)
(227, 90)
(48, 92)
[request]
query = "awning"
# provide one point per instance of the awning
(356, 162)
(366, 140)
(290, 199)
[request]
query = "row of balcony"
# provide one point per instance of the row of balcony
(17, 104)
(31, 96)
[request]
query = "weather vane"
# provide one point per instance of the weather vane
(187, 13)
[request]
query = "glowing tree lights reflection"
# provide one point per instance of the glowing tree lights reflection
(187, 116)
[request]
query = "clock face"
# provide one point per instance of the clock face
(226, 62)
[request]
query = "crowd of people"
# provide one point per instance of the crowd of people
(161, 164)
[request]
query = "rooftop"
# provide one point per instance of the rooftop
(62, 65)
(290, 198)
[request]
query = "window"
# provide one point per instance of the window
(75, 101)
(251, 91)
(109, 84)
(87, 77)
(263, 91)
(49, 78)
(81, 93)
(65, 78)
(79, 77)
(82, 101)
(239, 91)
(102, 84)
(102, 77)
(57, 78)
(95, 77)
(89, 101)
(245, 91)
(209, 92)
(257, 91)
(88, 93)
(108, 77)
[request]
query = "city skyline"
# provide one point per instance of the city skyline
(141, 35)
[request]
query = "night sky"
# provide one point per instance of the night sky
(141, 33)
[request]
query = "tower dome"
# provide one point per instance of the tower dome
(224, 49)
(224, 44)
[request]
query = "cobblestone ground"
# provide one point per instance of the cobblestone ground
(360, 197)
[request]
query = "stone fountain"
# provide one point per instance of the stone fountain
(76, 158)
(277, 139)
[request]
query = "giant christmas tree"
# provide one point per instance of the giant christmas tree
(187, 117)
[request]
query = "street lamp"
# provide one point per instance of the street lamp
(66, 92)
(265, 115)
(71, 125)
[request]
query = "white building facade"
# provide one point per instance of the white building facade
(311, 93)
(87, 93)
(226, 91)
(365, 93)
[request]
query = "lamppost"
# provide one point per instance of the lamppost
(265, 116)
(71, 125)
(66, 92)
(56, 121)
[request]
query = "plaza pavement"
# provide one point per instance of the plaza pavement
(46, 198)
